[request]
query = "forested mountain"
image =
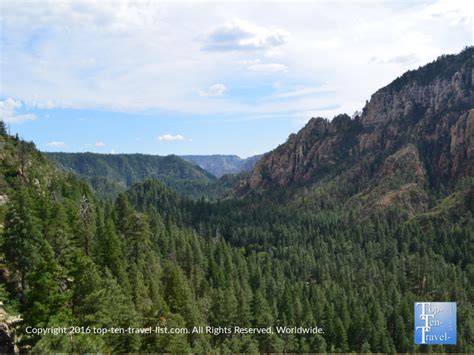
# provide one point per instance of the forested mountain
(113, 173)
(343, 227)
(219, 165)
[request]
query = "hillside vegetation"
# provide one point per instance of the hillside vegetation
(110, 174)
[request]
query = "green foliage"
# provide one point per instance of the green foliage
(293, 257)
(111, 174)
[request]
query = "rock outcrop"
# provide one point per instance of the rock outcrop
(8, 338)
(410, 98)
(316, 149)
(426, 117)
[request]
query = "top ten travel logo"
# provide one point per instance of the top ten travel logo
(435, 323)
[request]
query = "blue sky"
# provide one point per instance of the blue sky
(205, 78)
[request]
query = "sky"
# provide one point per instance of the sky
(206, 78)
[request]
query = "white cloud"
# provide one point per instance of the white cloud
(9, 112)
(170, 137)
(9, 105)
(48, 104)
(214, 90)
(56, 144)
(48, 59)
(239, 35)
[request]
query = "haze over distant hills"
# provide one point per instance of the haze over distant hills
(219, 165)
(130, 168)
(191, 175)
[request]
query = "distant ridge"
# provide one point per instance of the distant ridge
(219, 165)
(112, 171)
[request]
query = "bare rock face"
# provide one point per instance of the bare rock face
(462, 142)
(316, 148)
(430, 107)
(429, 110)
(437, 96)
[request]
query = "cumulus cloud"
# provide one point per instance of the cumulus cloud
(214, 90)
(239, 35)
(170, 137)
(10, 105)
(9, 112)
(56, 144)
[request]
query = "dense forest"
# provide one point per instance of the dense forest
(110, 174)
(153, 258)
(318, 253)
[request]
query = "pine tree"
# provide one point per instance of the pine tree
(3, 127)
(22, 237)
(46, 295)
(178, 294)
(108, 251)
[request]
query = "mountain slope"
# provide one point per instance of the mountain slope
(106, 171)
(219, 165)
(427, 113)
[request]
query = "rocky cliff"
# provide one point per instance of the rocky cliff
(424, 118)
(8, 338)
